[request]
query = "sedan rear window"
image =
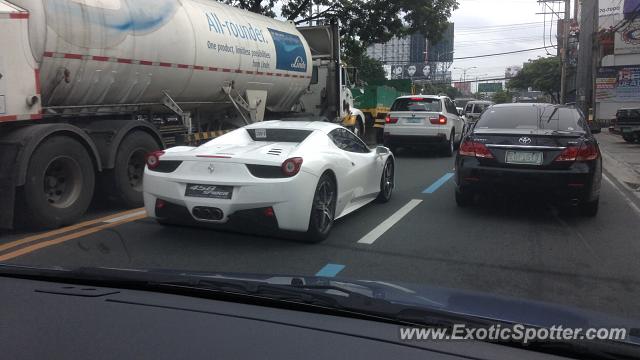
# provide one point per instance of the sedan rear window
(565, 119)
(279, 135)
(417, 104)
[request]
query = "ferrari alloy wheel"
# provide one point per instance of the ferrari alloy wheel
(386, 182)
(322, 210)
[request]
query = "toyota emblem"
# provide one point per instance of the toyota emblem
(525, 140)
(211, 168)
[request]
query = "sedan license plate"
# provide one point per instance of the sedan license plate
(524, 157)
(413, 120)
(209, 191)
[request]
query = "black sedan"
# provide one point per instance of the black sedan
(541, 148)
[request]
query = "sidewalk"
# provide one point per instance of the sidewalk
(621, 160)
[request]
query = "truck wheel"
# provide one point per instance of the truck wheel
(59, 185)
(129, 168)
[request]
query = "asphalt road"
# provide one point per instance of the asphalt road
(520, 247)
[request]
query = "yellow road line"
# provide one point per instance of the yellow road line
(62, 239)
(63, 230)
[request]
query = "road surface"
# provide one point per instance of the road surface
(520, 247)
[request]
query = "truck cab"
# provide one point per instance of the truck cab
(329, 96)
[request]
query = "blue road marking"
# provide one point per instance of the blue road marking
(436, 185)
(330, 270)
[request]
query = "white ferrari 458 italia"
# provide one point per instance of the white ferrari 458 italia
(275, 177)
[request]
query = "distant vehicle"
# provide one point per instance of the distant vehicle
(462, 102)
(531, 148)
(627, 124)
(274, 177)
(375, 102)
(423, 120)
(473, 109)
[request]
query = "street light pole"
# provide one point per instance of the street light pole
(464, 72)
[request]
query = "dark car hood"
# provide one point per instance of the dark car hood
(478, 304)
(498, 308)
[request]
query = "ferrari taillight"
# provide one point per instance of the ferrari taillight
(291, 167)
(153, 159)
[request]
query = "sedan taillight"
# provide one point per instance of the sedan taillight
(291, 167)
(586, 152)
(440, 120)
(153, 159)
(474, 148)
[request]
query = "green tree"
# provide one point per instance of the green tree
(541, 74)
(363, 21)
(502, 97)
(369, 69)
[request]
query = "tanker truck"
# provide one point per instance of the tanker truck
(88, 87)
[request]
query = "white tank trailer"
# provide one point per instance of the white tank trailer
(87, 87)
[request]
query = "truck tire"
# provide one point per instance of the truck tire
(59, 184)
(126, 176)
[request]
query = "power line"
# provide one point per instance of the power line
(503, 53)
(497, 26)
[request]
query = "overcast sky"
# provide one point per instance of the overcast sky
(480, 29)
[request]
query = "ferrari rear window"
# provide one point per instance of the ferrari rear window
(279, 135)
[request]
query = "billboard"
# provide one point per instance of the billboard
(631, 7)
(489, 87)
(442, 51)
(463, 87)
(618, 84)
(610, 13)
(387, 71)
(627, 40)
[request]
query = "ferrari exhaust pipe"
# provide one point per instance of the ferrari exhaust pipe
(207, 213)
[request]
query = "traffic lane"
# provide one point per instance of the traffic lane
(100, 207)
(146, 244)
(519, 247)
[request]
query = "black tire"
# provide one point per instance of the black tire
(59, 185)
(386, 182)
(449, 147)
(464, 198)
(590, 208)
(629, 138)
(323, 210)
(125, 180)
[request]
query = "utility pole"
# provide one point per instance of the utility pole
(587, 55)
(565, 52)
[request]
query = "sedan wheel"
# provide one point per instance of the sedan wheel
(322, 210)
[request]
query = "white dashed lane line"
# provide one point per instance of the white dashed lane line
(374, 234)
